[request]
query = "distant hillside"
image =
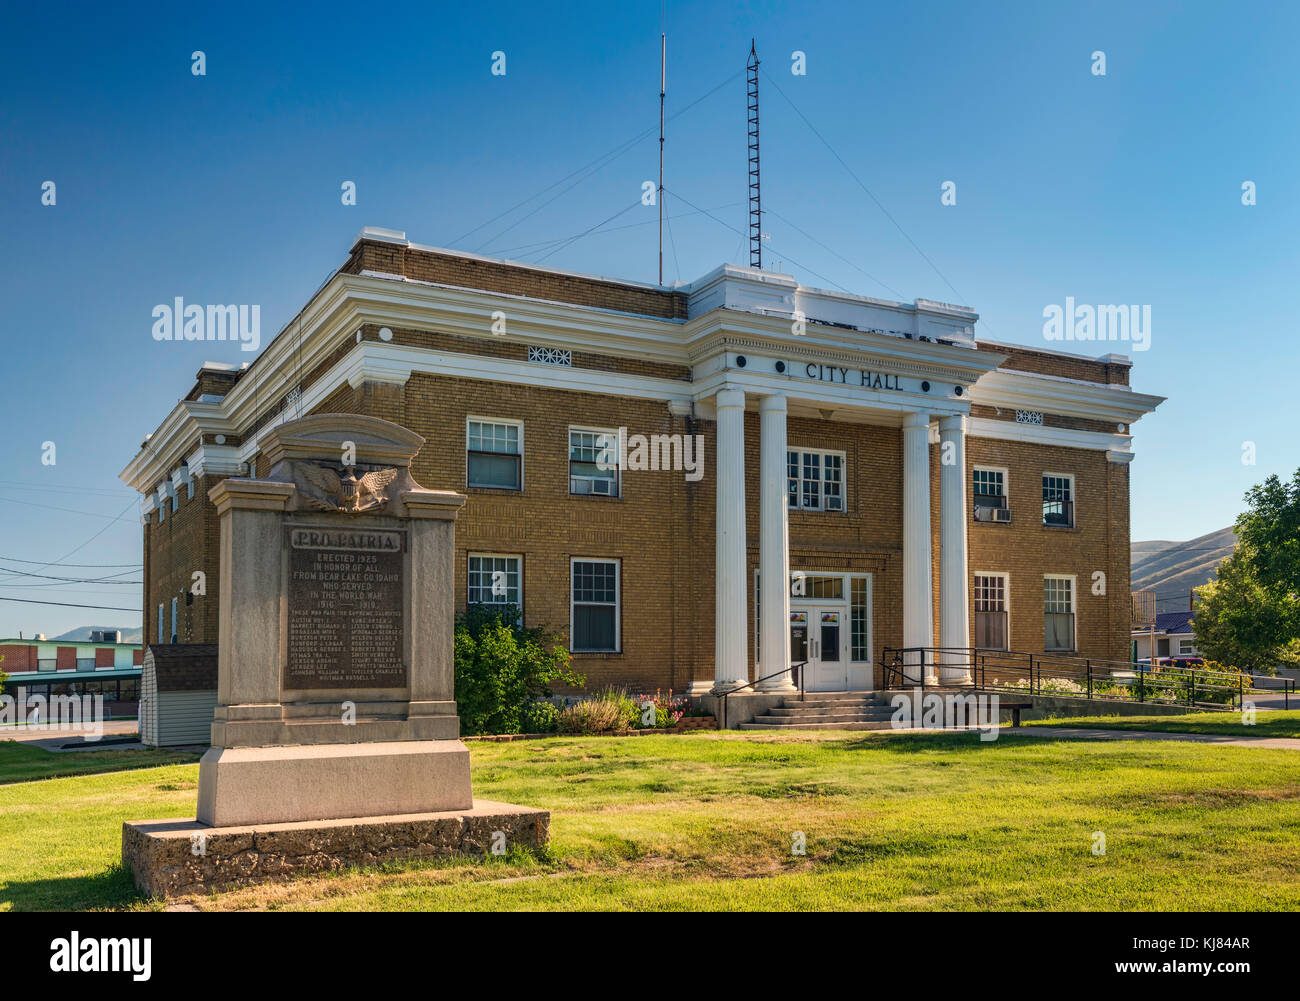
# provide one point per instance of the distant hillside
(82, 634)
(1174, 568)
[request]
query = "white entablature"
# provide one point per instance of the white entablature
(733, 313)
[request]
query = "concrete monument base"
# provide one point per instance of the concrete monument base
(308, 782)
(171, 858)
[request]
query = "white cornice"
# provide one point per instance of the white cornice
(346, 302)
(724, 330)
(1067, 397)
(1037, 434)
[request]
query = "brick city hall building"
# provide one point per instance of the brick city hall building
(914, 485)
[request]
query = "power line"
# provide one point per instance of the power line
(575, 239)
(90, 540)
(107, 579)
(831, 250)
(65, 604)
(608, 158)
(32, 485)
(540, 244)
(787, 257)
(67, 510)
(98, 566)
(862, 185)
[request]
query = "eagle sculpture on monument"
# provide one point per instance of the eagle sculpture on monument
(325, 490)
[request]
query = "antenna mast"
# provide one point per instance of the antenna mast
(755, 199)
(663, 86)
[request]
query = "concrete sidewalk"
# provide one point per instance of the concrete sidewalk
(1083, 733)
(53, 739)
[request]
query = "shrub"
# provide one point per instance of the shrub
(540, 717)
(596, 715)
(667, 709)
(502, 669)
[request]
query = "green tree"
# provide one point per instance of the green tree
(1269, 531)
(503, 668)
(1237, 620)
(1249, 615)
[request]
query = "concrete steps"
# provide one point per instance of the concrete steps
(826, 711)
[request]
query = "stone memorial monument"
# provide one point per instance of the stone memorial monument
(335, 740)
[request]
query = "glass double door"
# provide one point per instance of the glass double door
(820, 636)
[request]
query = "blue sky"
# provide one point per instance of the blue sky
(225, 188)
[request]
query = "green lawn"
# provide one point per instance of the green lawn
(1268, 723)
(21, 762)
(706, 821)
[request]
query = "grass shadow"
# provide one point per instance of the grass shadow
(111, 888)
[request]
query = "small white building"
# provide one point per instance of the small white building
(1173, 637)
(178, 693)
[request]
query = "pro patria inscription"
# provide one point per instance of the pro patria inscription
(345, 609)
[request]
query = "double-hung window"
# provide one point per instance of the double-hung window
(594, 608)
(1058, 613)
(495, 580)
(989, 494)
(593, 462)
(494, 452)
(991, 611)
(815, 480)
(1058, 499)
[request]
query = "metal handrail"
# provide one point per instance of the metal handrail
(1168, 684)
(722, 723)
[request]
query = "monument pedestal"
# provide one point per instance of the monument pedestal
(335, 731)
(273, 785)
(173, 858)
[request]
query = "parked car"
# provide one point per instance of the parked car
(1187, 662)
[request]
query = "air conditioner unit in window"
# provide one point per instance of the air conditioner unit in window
(987, 512)
(1002, 514)
(605, 487)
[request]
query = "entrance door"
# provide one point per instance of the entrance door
(820, 636)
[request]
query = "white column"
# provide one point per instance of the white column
(918, 598)
(730, 656)
(954, 607)
(773, 549)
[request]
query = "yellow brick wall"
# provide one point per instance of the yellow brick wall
(661, 529)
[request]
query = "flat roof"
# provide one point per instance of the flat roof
(59, 677)
(30, 641)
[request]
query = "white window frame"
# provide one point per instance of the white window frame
(1191, 648)
(801, 451)
(618, 602)
(517, 557)
(1074, 610)
(1006, 482)
(1073, 498)
(472, 419)
(158, 636)
(1006, 599)
(568, 452)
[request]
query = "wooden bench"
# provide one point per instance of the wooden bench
(1015, 708)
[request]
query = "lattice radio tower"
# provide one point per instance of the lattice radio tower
(755, 195)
